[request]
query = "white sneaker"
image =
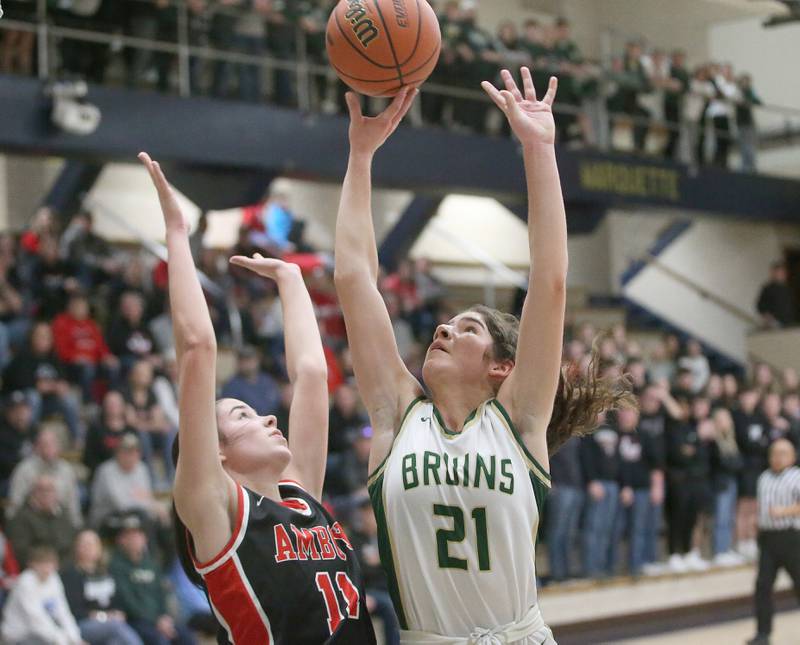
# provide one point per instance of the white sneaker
(695, 562)
(748, 550)
(655, 568)
(677, 564)
(729, 559)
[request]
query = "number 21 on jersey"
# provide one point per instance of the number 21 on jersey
(458, 533)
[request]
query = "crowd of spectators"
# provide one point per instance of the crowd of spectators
(90, 412)
(695, 114)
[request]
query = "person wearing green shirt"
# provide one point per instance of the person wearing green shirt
(478, 60)
(676, 88)
(140, 588)
(746, 123)
(568, 59)
(448, 69)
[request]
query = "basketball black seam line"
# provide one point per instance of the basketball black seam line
(419, 35)
(356, 49)
(393, 78)
(391, 43)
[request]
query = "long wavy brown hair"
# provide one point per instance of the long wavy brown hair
(581, 395)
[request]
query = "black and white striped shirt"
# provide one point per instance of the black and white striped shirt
(782, 489)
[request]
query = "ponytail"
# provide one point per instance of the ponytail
(581, 397)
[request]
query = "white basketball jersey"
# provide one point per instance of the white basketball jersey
(457, 518)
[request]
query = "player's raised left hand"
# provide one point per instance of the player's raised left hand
(530, 119)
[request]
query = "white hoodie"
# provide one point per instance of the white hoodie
(36, 608)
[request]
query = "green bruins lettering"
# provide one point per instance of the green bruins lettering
(470, 471)
(364, 28)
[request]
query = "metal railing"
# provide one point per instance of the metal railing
(307, 74)
(743, 315)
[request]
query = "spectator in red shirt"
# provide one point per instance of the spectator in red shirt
(402, 284)
(79, 343)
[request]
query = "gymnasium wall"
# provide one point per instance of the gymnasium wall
(24, 181)
(726, 258)
(603, 26)
(763, 53)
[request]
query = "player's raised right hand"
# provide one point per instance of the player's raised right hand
(367, 134)
(173, 216)
(271, 268)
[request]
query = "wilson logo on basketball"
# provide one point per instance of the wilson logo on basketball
(363, 27)
(400, 13)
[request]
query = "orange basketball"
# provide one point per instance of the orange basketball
(379, 46)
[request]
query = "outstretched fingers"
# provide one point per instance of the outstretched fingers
(395, 109)
(527, 84)
(353, 105)
(511, 104)
(405, 106)
(154, 169)
(552, 88)
(511, 85)
(494, 94)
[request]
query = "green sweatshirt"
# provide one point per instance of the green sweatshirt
(140, 587)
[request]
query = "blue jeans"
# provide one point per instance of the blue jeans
(633, 521)
(248, 76)
(110, 632)
(598, 530)
(385, 611)
(153, 443)
(725, 515)
(150, 635)
(564, 505)
(67, 406)
(652, 529)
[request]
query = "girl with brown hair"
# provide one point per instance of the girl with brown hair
(459, 474)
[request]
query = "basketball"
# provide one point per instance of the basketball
(379, 46)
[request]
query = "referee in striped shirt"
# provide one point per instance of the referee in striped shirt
(778, 531)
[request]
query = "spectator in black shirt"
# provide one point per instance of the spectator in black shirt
(446, 71)
(106, 433)
(365, 543)
(345, 420)
(653, 419)
(776, 301)
(726, 463)
(129, 338)
(145, 415)
(688, 468)
(38, 372)
(641, 480)
(753, 441)
(91, 591)
(54, 279)
(748, 141)
(16, 435)
(632, 81)
(564, 506)
(676, 88)
(775, 424)
(14, 322)
(90, 253)
(600, 461)
(791, 411)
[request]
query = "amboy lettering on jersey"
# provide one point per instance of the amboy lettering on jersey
(314, 543)
(470, 471)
